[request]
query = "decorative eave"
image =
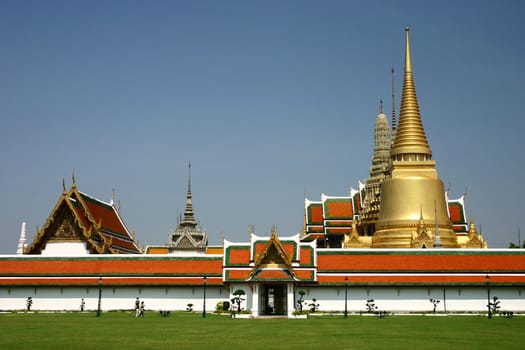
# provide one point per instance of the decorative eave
(284, 262)
(94, 225)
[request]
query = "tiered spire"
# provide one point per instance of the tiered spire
(411, 141)
(188, 235)
(189, 215)
(378, 173)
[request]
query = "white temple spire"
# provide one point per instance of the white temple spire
(22, 241)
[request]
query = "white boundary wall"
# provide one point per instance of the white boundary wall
(113, 298)
(390, 299)
(415, 299)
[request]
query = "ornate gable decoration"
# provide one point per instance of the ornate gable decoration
(422, 238)
(273, 257)
(475, 240)
(352, 240)
(67, 229)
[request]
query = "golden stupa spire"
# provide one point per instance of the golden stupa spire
(411, 141)
(413, 189)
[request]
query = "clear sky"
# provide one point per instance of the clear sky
(269, 100)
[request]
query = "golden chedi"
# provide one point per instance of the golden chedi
(414, 194)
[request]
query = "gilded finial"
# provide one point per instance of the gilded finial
(74, 185)
(381, 106)
(274, 231)
(64, 191)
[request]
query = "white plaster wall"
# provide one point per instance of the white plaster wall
(391, 299)
(65, 249)
(118, 298)
(413, 299)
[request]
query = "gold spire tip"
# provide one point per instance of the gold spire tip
(407, 29)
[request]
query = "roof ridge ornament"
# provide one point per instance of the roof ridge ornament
(74, 185)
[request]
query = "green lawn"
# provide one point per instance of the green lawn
(120, 330)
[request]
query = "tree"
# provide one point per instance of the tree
(513, 245)
(495, 305)
(300, 301)
(313, 305)
(370, 305)
(238, 298)
(434, 302)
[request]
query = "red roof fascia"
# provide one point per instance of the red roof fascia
(437, 278)
(455, 213)
(237, 256)
(315, 229)
(315, 214)
(420, 262)
(306, 256)
(273, 275)
(339, 209)
(111, 281)
(237, 274)
(20, 267)
(339, 230)
(306, 275)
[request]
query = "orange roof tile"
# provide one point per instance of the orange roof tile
(416, 261)
(338, 209)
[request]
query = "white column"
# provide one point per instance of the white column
(290, 299)
(255, 299)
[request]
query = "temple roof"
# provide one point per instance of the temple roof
(79, 217)
(269, 259)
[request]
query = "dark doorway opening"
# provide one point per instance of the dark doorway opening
(273, 299)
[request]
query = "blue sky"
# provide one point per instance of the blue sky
(269, 100)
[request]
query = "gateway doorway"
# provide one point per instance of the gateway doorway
(273, 299)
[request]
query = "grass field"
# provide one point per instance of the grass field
(120, 330)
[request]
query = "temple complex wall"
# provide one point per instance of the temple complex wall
(415, 299)
(330, 299)
(112, 298)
